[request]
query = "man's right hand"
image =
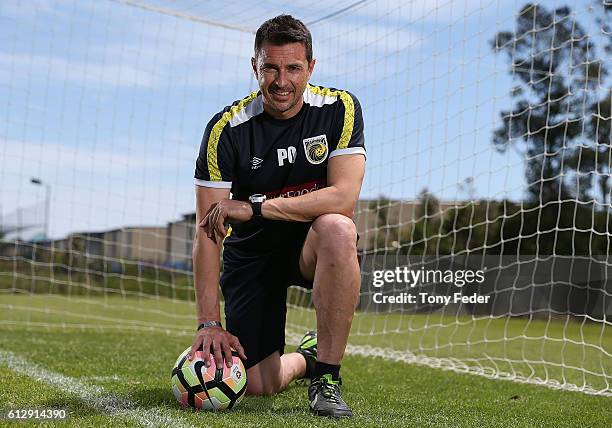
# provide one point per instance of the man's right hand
(220, 341)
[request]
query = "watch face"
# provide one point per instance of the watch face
(257, 198)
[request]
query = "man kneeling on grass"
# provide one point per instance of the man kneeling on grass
(292, 155)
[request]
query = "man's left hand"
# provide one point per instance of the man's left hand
(221, 212)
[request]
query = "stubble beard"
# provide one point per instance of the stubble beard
(283, 107)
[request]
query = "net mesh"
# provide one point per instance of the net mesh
(489, 149)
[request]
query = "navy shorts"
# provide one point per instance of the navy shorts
(254, 286)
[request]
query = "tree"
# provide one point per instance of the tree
(474, 227)
(552, 58)
(387, 228)
(598, 157)
(423, 237)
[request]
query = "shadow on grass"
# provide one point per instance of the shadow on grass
(278, 404)
(292, 401)
(163, 397)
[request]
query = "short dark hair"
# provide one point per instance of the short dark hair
(281, 30)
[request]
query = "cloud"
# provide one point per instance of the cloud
(25, 157)
(150, 75)
(111, 184)
(212, 71)
(131, 48)
(117, 47)
(15, 67)
(86, 205)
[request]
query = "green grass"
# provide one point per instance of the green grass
(79, 337)
(94, 280)
(564, 349)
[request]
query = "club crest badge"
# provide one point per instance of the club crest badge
(316, 149)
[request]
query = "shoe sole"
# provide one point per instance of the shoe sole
(335, 416)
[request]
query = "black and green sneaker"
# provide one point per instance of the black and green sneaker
(308, 349)
(325, 399)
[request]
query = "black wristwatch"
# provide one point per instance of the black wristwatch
(209, 324)
(256, 200)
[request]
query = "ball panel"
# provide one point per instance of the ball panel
(213, 404)
(211, 371)
(176, 382)
(220, 395)
(207, 372)
(240, 394)
(184, 399)
(190, 376)
(177, 393)
(235, 376)
(198, 401)
(181, 395)
(180, 360)
(209, 388)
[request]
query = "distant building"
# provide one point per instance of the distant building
(172, 245)
(145, 244)
(179, 241)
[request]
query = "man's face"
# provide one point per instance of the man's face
(282, 72)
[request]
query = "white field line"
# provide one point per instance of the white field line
(113, 378)
(91, 395)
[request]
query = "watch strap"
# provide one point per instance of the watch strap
(209, 324)
(256, 206)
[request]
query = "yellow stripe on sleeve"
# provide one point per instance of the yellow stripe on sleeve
(349, 112)
(349, 120)
(215, 135)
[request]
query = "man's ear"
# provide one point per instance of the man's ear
(311, 67)
(254, 65)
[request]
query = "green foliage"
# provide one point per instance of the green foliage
(424, 235)
(562, 228)
(557, 122)
(474, 227)
(503, 227)
(563, 133)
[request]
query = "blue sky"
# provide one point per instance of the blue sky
(106, 102)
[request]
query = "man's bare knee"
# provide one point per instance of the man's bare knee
(336, 229)
(264, 377)
(262, 385)
(261, 389)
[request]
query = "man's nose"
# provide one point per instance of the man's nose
(281, 79)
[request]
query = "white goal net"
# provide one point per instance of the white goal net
(484, 217)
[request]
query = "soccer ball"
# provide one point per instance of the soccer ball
(210, 388)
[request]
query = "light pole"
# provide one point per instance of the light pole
(39, 182)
